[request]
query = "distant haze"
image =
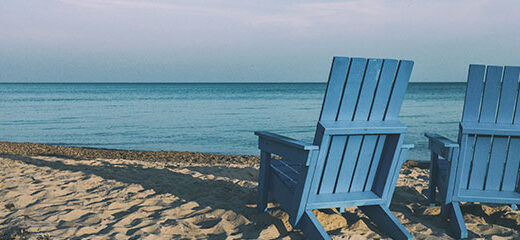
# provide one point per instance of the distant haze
(248, 41)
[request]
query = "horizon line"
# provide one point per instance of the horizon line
(185, 82)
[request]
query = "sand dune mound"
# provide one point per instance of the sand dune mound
(53, 197)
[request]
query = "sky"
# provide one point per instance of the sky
(248, 41)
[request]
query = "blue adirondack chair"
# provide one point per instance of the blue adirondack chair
(483, 166)
(357, 153)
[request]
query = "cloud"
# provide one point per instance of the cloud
(147, 5)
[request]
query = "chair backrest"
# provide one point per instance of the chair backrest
(490, 130)
(358, 123)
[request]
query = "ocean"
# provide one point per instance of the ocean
(198, 117)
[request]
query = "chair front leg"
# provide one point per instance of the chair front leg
(434, 171)
(263, 181)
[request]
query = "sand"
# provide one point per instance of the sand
(57, 197)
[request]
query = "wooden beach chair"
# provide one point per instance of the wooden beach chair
(482, 166)
(357, 153)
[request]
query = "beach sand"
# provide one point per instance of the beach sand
(67, 193)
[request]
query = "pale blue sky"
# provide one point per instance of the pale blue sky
(247, 41)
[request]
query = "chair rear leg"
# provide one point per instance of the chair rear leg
(434, 172)
(456, 220)
(386, 221)
(263, 181)
(311, 227)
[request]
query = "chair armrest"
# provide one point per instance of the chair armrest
(293, 143)
(293, 151)
(440, 145)
(443, 141)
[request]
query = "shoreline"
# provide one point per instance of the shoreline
(37, 149)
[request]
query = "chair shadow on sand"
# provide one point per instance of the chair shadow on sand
(216, 194)
(220, 194)
(415, 206)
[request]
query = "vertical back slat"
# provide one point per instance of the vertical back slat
(375, 162)
(352, 89)
(508, 95)
(480, 160)
(320, 166)
(491, 91)
(363, 163)
(330, 172)
(488, 112)
(384, 87)
(512, 165)
(505, 114)
(397, 96)
(467, 150)
(333, 94)
(496, 163)
(366, 95)
(349, 160)
(473, 93)
(515, 73)
(385, 163)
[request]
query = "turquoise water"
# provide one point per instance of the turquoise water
(202, 117)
